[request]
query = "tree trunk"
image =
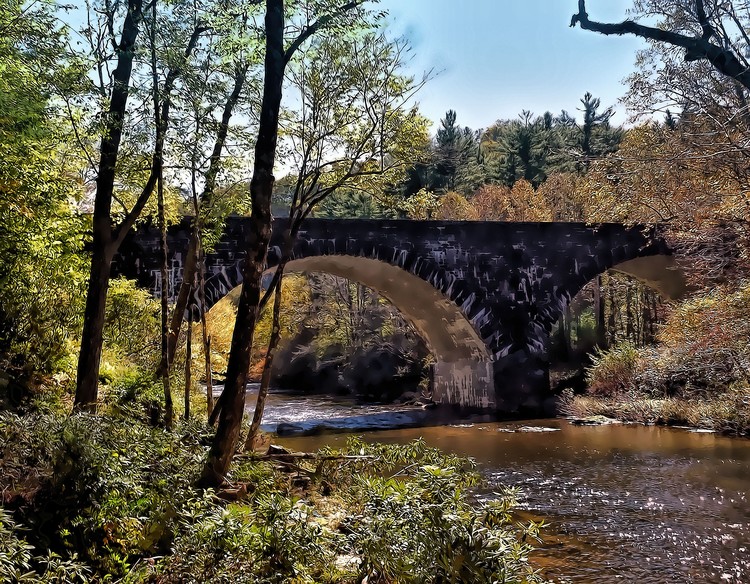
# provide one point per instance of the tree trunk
(93, 327)
(612, 324)
(183, 296)
(601, 332)
(232, 401)
(158, 168)
(204, 330)
(190, 267)
(103, 249)
(629, 314)
(265, 380)
(188, 370)
(168, 405)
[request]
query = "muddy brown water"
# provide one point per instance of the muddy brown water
(624, 503)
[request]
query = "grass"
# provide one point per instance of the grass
(725, 412)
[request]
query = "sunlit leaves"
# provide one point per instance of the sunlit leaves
(41, 270)
(454, 207)
(353, 126)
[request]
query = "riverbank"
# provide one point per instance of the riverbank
(725, 412)
(90, 497)
(621, 502)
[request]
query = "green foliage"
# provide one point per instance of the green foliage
(19, 564)
(41, 238)
(118, 494)
(413, 520)
(273, 540)
(421, 205)
(344, 204)
(132, 325)
(104, 487)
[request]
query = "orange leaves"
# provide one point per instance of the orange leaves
(455, 207)
(521, 203)
(491, 202)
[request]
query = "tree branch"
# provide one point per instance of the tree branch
(708, 30)
(310, 30)
(696, 48)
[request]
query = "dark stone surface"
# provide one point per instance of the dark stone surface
(511, 280)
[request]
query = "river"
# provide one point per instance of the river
(624, 503)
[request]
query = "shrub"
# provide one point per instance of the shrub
(119, 495)
(612, 372)
(703, 350)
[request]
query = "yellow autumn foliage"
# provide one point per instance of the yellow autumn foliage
(455, 207)
(220, 324)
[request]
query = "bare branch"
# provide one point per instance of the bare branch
(696, 48)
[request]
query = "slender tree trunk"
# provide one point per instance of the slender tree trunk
(612, 317)
(93, 327)
(181, 303)
(158, 165)
(190, 267)
(601, 332)
(629, 313)
(265, 380)
(89, 359)
(560, 340)
(232, 402)
(204, 330)
(168, 405)
(188, 368)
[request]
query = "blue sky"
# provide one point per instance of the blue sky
(498, 57)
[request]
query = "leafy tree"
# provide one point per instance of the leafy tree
(222, 80)
(491, 201)
(597, 138)
(350, 204)
(526, 204)
(562, 194)
(282, 41)
(517, 149)
(521, 203)
(422, 205)
(455, 207)
(40, 235)
(457, 158)
(113, 92)
(354, 130)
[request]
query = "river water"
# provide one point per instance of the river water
(624, 503)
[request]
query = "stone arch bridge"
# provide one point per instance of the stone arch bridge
(483, 295)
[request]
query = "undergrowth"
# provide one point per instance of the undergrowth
(698, 374)
(90, 498)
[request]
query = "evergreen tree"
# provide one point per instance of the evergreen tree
(458, 164)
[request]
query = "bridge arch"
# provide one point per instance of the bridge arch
(463, 371)
(659, 272)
